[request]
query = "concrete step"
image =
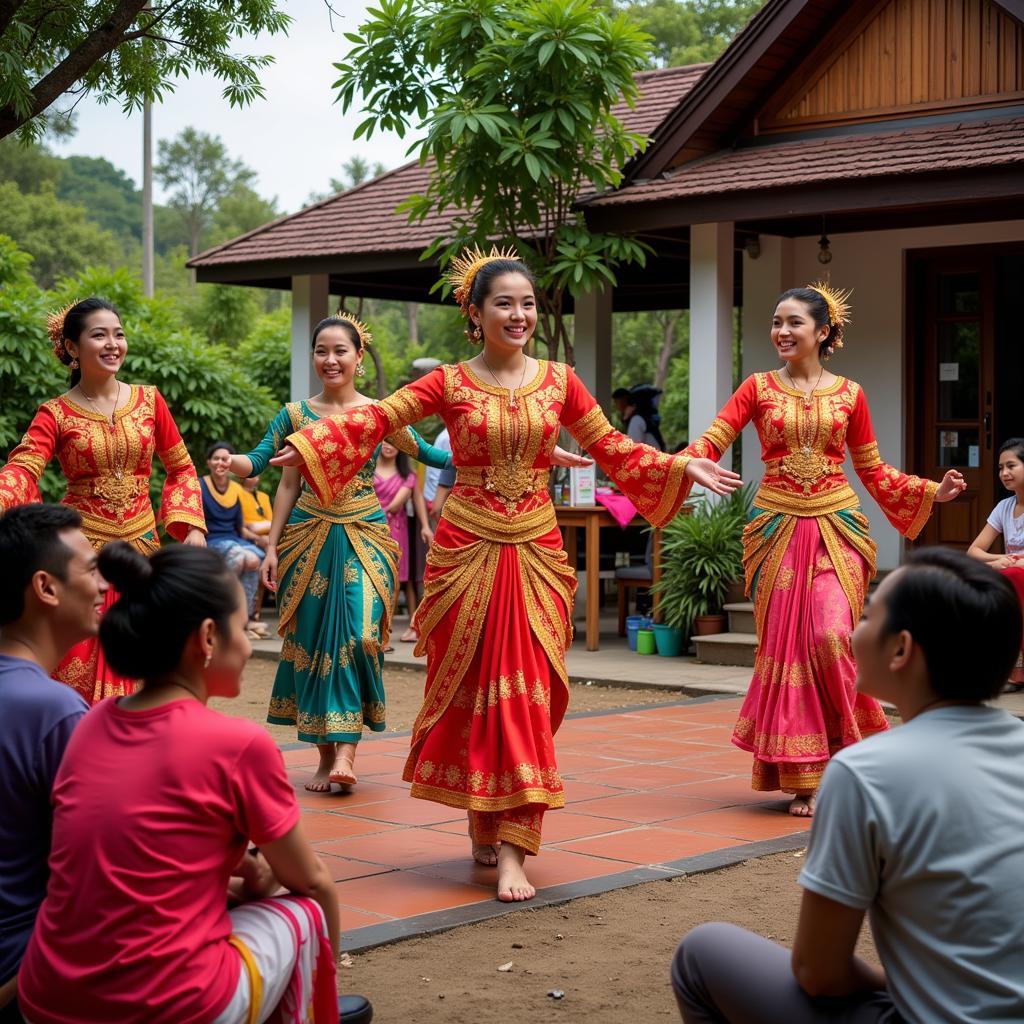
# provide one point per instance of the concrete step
(726, 648)
(741, 617)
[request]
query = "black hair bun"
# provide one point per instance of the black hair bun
(124, 568)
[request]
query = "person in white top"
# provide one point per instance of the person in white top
(1007, 521)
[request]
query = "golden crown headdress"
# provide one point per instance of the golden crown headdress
(463, 270)
(838, 302)
(365, 337)
(55, 329)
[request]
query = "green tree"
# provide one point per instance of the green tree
(690, 32)
(30, 166)
(59, 236)
(224, 314)
(239, 210)
(199, 173)
(514, 102)
(107, 194)
(124, 50)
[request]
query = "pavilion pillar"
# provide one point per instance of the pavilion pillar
(592, 343)
(711, 324)
(309, 307)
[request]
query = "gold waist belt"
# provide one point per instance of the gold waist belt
(487, 524)
(116, 489)
(346, 508)
(511, 482)
(796, 503)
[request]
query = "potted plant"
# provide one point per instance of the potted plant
(701, 557)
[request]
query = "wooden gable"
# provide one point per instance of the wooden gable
(903, 58)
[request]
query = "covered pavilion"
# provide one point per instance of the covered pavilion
(879, 143)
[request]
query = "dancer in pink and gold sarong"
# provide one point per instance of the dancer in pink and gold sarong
(807, 553)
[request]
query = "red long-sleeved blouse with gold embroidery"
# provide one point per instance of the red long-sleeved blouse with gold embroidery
(502, 451)
(107, 467)
(803, 446)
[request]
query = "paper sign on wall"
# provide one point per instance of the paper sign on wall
(582, 485)
(949, 371)
(973, 456)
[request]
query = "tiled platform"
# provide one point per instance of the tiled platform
(651, 792)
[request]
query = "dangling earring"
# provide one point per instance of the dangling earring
(74, 364)
(360, 370)
(476, 333)
(207, 660)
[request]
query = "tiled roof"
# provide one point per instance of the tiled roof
(363, 219)
(964, 145)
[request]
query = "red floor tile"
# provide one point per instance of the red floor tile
(367, 792)
(321, 825)
(644, 808)
(344, 868)
(649, 845)
(576, 790)
(407, 811)
(648, 776)
(401, 848)
(752, 823)
(552, 866)
(352, 919)
(407, 893)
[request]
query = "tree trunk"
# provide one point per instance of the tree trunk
(382, 384)
(412, 316)
(668, 344)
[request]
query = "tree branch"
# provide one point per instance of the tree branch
(8, 8)
(101, 41)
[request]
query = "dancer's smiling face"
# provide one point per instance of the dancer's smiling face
(508, 313)
(101, 347)
(336, 354)
(794, 333)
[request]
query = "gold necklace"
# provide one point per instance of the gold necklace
(512, 401)
(96, 408)
(807, 395)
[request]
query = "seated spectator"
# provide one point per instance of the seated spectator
(155, 806)
(921, 827)
(226, 531)
(51, 600)
(257, 511)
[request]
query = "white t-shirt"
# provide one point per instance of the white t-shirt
(637, 430)
(1002, 521)
(923, 827)
(432, 475)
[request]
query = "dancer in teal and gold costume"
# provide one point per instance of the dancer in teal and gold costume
(334, 570)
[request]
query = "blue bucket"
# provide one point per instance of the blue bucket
(633, 623)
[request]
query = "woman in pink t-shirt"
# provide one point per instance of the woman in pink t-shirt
(155, 804)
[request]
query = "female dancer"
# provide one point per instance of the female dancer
(495, 619)
(807, 554)
(104, 433)
(156, 801)
(333, 564)
(1007, 521)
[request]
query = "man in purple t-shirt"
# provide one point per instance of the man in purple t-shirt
(51, 599)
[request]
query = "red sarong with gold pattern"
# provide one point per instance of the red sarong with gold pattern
(1016, 577)
(107, 467)
(808, 559)
(495, 619)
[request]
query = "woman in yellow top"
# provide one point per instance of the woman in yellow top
(257, 512)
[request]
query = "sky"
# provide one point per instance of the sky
(296, 139)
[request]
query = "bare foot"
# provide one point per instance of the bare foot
(802, 805)
(410, 636)
(483, 853)
(321, 781)
(513, 885)
(344, 773)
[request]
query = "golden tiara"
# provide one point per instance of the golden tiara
(365, 337)
(55, 329)
(837, 300)
(464, 268)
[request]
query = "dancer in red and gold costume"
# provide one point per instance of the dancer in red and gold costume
(807, 554)
(104, 434)
(495, 619)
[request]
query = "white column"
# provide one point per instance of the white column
(711, 315)
(764, 280)
(592, 343)
(309, 307)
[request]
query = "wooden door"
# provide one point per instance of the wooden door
(954, 381)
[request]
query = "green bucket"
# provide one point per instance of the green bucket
(645, 642)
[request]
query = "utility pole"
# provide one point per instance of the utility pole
(147, 198)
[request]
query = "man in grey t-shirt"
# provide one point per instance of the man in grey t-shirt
(922, 828)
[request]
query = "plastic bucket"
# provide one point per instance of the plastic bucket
(633, 624)
(645, 642)
(669, 641)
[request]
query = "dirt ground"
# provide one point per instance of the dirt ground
(609, 954)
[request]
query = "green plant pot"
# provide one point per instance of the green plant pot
(645, 642)
(669, 640)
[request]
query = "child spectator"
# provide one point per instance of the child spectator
(922, 827)
(1007, 521)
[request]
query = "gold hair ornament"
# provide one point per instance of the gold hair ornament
(55, 329)
(838, 302)
(365, 337)
(464, 268)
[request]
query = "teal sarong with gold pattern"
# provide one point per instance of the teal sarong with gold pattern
(336, 582)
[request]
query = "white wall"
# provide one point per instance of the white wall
(872, 264)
